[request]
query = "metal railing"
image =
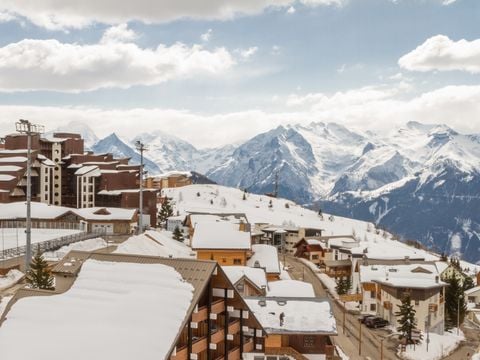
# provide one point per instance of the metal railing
(51, 245)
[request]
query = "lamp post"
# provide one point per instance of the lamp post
(140, 147)
(26, 127)
(458, 314)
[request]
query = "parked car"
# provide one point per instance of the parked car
(376, 322)
(363, 318)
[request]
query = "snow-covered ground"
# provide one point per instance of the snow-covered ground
(114, 310)
(10, 279)
(10, 238)
(155, 243)
(439, 346)
(86, 245)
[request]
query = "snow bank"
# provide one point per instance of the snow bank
(86, 245)
(439, 347)
(114, 310)
(12, 277)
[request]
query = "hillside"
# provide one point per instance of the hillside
(220, 199)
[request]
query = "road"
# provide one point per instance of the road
(348, 341)
(470, 346)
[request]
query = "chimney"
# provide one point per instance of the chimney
(242, 226)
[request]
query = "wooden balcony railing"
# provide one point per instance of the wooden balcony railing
(200, 315)
(234, 327)
(182, 354)
(248, 346)
(218, 336)
(199, 345)
(218, 306)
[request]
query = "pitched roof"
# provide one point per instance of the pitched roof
(220, 235)
(266, 256)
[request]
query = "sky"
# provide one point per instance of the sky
(216, 72)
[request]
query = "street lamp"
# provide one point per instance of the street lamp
(26, 127)
(458, 313)
(141, 147)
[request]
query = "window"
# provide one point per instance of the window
(224, 260)
(237, 261)
(240, 287)
(372, 294)
(417, 302)
(314, 257)
(373, 307)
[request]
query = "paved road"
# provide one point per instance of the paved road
(470, 346)
(349, 342)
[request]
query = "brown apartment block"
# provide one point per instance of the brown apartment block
(64, 174)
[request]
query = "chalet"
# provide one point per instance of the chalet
(313, 250)
(266, 257)
(222, 242)
(201, 314)
(447, 270)
(384, 287)
(295, 326)
(109, 220)
(473, 297)
(248, 281)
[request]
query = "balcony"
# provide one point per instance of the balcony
(234, 327)
(249, 346)
(200, 315)
(387, 305)
(218, 306)
(234, 354)
(218, 336)
(199, 345)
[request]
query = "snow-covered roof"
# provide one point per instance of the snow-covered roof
(301, 315)
(315, 242)
(290, 288)
(93, 169)
(18, 210)
(121, 191)
(155, 243)
(9, 168)
(230, 218)
(219, 235)
(102, 213)
(148, 300)
(256, 276)
(13, 159)
(419, 276)
(472, 290)
(5, 177)
(174, 173)
(267, 257)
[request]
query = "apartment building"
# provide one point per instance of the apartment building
(190, 311)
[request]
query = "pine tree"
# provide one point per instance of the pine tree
(270, 204)
(468, 283)
(177, 234)
(39, 276)
(244, 196)
(407, 322)
(340, 288)
(454, 301)
(165, 212)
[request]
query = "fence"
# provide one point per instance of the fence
(67, 225)
(51, 245)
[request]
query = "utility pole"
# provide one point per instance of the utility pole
(26, 127)
(141, 147)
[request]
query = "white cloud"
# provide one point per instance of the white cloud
(119, 33)
(291, 10)
(377, 108)
(206, 36)
(62, 14)
(442, 54)
(6, 17)
(52, 65)
(247, 53)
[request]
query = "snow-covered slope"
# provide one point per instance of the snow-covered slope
(216, 198)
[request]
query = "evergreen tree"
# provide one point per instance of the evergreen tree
(468, 283)
(244, 196)
(177, 234)
(39, 276)
(270, 204)
(407, 322)
(165, 212)
(340, 288)
(454, 302)
(444, 257)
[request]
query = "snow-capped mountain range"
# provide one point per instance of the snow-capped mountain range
(419, 181)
